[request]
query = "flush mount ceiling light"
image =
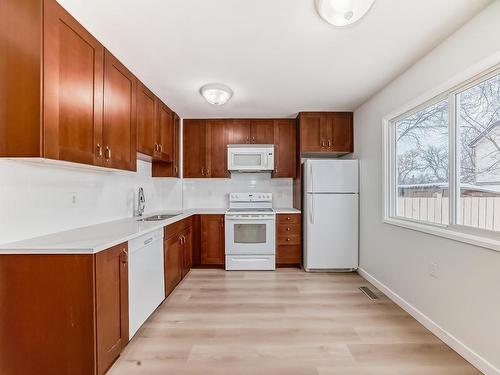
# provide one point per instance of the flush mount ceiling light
(216, 93)
(343, 12)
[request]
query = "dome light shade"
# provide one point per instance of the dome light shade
(216, 93)
(343, 12)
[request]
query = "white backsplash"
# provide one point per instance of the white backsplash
(38, 199)
(213, 192)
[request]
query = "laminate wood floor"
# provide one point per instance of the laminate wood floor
(284, 322)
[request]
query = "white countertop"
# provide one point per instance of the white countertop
(98, 237)
(286, 211)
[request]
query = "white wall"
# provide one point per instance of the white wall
(213, 193)
(37, 199)
(464, 300)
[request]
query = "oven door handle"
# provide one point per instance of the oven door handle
(250, 218)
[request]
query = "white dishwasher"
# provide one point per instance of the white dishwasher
(146, 280)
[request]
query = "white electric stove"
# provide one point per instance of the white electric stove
(250, 232)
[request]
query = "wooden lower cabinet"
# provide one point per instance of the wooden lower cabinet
(111, 295)
(173, 263)
(288, 239)
(187, 250)
(212, 240)
(178, 248)
(63, 314)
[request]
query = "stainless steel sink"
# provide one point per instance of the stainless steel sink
(157, 217)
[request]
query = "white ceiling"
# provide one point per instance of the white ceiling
(278, 56)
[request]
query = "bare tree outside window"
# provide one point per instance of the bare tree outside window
(478, 127)
(422, 159)
(422, 164)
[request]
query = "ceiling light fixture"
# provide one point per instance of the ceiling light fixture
(343, 12)
(216, 93)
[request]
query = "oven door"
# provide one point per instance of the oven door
(250, 235)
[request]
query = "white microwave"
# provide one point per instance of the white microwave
(250, 158)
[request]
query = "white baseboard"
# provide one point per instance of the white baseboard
(475, 359)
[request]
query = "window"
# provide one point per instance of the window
(478, 149)
(422, 164)
(443, 163)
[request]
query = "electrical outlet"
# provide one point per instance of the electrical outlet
(434, 269)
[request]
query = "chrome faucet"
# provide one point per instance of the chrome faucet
(141, 202)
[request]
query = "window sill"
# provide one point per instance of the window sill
(446, 232)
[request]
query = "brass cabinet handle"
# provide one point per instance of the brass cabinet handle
(288, 229)
(288, 218)
(160, 147)
(175, 170)
(202, 171)
(107, 153)
(124, 256)
(323, 143)
(208, 172)
(288, 239)
(99, 150)
(329, 143)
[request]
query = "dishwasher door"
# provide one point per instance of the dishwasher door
(146, 278)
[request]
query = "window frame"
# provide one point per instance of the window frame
(477, 236)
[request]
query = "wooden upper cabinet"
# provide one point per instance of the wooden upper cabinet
(119, 125)
(314, 129)
(218, 135)
(72, 90)
(326, 132)
(165, 133)
(285, 144)
(342, 132)
(175, 153)
(212, 240)
(146, 120)
(239, 131)
(262, 131)
(195, 148)
(111, 288)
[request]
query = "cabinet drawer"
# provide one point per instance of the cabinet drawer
(288, 229)
(289, 254)
(288, 218)
(292, 239)
(177, 227)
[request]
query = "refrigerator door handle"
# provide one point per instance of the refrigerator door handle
(311, 209)
(311, 177)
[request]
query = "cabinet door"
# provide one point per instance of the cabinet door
(262, 131)
(342, 132)
(72, 89)
(146, 119)
(314, 131)
(195, 148)
(173, 263)
(187, 251)
(119, 127)
(175, 153)
(111, 288)
(212, 240)
(284, 148)
(165, 133)
(239, 131)
(217, 132)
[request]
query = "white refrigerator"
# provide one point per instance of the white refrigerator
(330, 215)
